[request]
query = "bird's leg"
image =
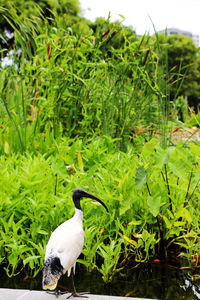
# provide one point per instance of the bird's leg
(74, 292)
(57, 292)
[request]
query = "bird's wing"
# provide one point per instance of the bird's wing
(66, 242)
(72, 250)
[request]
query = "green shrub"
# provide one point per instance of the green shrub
(152, 198)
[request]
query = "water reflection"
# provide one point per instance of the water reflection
(156, 281)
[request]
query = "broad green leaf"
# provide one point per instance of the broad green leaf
(178, 168)
(154, 205)
(59, 168)
(162, 157)
(140, 177)
(124, 206)
(148, 148)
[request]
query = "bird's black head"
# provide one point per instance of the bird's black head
(80, 193)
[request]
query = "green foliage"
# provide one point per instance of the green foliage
(145, 215)
(183, 58)
(110, 254)
(69, 104)
(28, 7)
(64, 84)
(38, 9)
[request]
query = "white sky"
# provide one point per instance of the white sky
(181, 14)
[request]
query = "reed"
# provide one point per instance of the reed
(70, 86)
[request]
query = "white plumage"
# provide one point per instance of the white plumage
(65, 245)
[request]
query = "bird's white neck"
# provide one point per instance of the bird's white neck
(78, 214)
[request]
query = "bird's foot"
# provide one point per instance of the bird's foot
(57, 292)
(80, 295)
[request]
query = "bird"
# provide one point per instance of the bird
(65, 245)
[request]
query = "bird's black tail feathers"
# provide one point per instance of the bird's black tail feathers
(51, 272)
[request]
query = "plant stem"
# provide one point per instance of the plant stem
(55, 191)
(170, 200)
(148, 189)
(193, 192)
(188, 188)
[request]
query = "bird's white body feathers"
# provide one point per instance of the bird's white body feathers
(66, 243)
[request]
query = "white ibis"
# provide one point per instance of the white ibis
(65, 246)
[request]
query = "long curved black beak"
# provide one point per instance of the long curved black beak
(88, 195)
(79, 193)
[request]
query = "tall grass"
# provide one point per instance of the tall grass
(63, 84)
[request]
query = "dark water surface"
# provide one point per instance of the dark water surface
(155, 280)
